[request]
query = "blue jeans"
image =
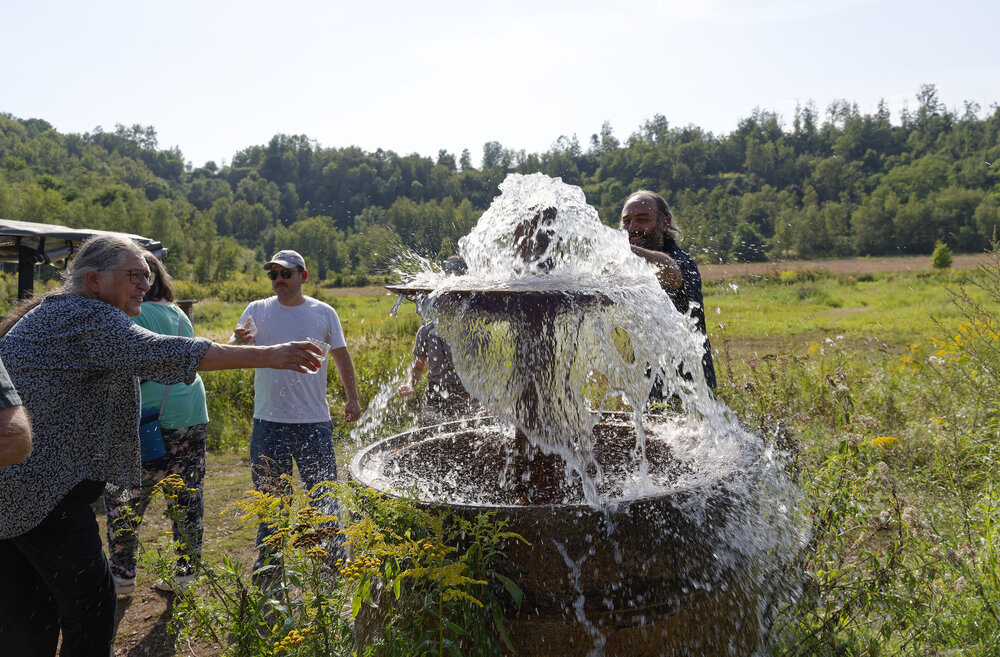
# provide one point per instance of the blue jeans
(273, 446)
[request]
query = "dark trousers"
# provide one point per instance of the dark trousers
(56, 576)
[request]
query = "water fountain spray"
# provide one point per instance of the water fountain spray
(677, 530)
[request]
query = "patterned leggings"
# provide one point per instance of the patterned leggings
(185, 457)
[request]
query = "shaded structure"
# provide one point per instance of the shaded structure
(29, 244)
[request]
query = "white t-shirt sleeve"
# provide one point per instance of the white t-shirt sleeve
(336, 335)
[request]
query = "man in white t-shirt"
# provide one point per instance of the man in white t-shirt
(291, 414)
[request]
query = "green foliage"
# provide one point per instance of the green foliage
(8, 291)
(427, 579)
(230, 408)
(418, 581)
(941, 258)
(853, 184)
(896, 448)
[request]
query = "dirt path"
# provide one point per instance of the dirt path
(143, 618)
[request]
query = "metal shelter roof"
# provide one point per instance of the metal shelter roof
(29, 244)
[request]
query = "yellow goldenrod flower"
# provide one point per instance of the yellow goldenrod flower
(884, 442)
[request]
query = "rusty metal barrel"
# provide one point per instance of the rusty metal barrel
(656, 575)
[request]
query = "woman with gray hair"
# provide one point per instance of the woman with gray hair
(183, 417)
(75, 357)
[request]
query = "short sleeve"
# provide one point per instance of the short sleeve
(420, 346)
(336, 330)
(8, 395)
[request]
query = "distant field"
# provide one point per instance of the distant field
(845, 266)
(788, 309)
(868, 300)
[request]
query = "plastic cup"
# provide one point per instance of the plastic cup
(324, 347)
(250, 327)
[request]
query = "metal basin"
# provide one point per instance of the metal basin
(654, 575)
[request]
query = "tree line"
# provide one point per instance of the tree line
(842, 183)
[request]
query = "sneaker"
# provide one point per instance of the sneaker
(124, 586)
(178, 584)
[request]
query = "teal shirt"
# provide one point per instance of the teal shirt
(186, 406)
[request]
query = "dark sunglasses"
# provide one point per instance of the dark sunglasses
(284, 273)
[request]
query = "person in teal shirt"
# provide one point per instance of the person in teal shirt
(183, 420)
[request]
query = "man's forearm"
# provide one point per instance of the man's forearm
(417, 369)
(668, 273)
(345, 370)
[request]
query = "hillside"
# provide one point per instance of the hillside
(837, 184)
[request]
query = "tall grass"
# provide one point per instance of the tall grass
(885, 387)
(897, 448)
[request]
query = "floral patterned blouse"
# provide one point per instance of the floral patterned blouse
(75, 363)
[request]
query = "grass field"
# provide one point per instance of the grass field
(883, 380)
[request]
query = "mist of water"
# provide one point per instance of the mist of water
(555, 306)
(557, 321)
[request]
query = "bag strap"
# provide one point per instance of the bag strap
(166, 389)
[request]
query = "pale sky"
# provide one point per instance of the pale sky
(215, 77)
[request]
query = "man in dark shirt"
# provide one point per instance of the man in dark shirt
(446, 397)
(653, 236)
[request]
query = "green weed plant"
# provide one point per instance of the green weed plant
(897, 447)
(417, 581)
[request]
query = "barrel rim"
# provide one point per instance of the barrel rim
(464, 424)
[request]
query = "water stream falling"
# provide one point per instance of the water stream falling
(555, 328)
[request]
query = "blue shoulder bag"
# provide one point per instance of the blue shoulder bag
(151, 447)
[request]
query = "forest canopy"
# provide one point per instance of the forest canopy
(838, 184)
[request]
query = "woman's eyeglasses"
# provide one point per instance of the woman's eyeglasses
(136, 275)
(284, 273)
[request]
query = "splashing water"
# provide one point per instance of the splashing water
(555, 305)
(556, 323)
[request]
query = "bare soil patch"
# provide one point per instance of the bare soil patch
(143, 618)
